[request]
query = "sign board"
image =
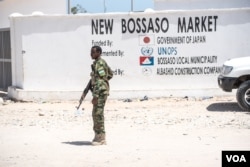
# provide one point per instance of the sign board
(167, 50)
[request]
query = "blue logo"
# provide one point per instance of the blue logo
(147, 51)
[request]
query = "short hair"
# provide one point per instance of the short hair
(98, 48)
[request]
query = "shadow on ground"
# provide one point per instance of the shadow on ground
(224, 107)
(78, 143)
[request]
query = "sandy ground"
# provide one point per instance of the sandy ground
(173, 132)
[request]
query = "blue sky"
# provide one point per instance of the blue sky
(97, 6)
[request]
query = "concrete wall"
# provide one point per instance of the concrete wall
(7, 7)
(199, 4)
(157, 54)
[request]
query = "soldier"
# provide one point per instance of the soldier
(100, 76)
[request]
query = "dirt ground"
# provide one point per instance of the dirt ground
(173, 132)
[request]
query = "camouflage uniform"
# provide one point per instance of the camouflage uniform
(100, 75)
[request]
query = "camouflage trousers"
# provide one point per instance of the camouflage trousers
(98, 115)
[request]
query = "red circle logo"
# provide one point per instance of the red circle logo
(146, 39)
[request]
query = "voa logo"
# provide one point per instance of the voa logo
(236, 158)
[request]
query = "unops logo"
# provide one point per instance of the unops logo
(147, 51)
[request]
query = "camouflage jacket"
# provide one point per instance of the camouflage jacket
(100, 76)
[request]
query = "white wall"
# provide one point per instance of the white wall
(25, 7)
(51, 52)
(199, 4)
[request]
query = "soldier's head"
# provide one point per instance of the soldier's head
(96, 52)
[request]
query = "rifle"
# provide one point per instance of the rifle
(84, 93)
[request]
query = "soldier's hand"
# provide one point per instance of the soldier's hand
(94, 100)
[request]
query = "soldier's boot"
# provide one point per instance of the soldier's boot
(101, 140)
(95, 138)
